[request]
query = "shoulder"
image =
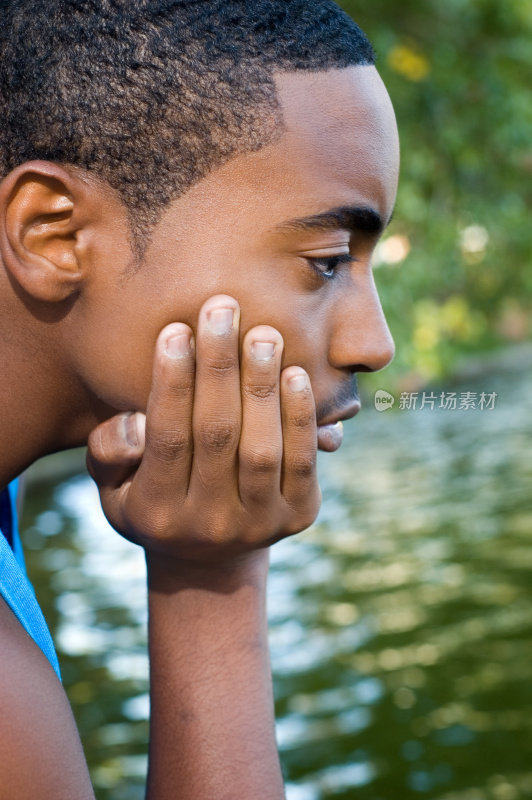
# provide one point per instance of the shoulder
(40, 750)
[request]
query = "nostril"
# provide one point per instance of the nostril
(377, 359)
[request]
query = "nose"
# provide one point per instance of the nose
(361, 340)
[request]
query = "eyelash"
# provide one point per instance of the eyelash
(336, 261)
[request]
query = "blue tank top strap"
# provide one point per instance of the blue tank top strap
(9, 521)
(15, 587)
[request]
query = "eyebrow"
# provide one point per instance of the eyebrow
(349, 218)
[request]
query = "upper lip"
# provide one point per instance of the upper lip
(347, 413)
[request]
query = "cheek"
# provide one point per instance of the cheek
(115, 350)
(116, 358)
(279, 296)
(116, 365)
(304, 332)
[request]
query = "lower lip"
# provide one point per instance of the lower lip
(330, 437)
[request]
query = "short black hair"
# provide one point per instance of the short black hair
(151, 95)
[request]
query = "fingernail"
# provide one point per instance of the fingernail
(262, 351)
(298, 383)
(220, 320)
(131, 430)
(178, 346)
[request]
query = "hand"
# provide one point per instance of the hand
(224, 462)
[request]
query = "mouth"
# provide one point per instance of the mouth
(331, 429)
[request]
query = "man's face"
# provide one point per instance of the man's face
(274, 229)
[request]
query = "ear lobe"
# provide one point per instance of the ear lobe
(38, 240)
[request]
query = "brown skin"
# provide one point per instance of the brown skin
(227, 462)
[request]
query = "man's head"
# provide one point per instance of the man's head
(268, 176)
(152, 95)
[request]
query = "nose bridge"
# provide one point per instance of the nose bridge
(361, 339)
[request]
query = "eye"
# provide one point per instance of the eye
(327, 266)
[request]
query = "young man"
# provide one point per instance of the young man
(191, 195)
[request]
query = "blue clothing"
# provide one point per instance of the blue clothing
(15, 587)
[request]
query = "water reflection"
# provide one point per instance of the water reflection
(401, 624)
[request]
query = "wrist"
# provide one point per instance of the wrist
(167, 574)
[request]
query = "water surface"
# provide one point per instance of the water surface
(401, 623)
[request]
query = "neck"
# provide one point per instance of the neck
(43, 408)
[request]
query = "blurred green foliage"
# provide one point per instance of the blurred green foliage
(454, 271)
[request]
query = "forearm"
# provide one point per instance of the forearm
(222, 464)
(212, 720)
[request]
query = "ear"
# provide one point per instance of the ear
(41, 230)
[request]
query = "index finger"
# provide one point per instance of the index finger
(165, 468)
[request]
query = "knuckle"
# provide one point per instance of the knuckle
(100, 448)
(217, 532)
(150, 517)
(161, 527)
(218, 436)
(167, 445)
(224, 364)
(183, 388)
(265, 460)
(302, 418)
(95, 444)
(302, 465)
(260, 391)
(218, 529)
(306, 510)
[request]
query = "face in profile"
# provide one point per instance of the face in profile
(288, 231)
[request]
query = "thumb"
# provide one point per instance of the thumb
(115, 449)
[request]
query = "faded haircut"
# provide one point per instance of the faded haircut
(151, 95)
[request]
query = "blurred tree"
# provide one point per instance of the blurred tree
(454, 267)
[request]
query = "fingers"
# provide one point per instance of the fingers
(217, 406)
(261, 441)
(115, 449)
(164, 473)
(299, 479)
(227, 450)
